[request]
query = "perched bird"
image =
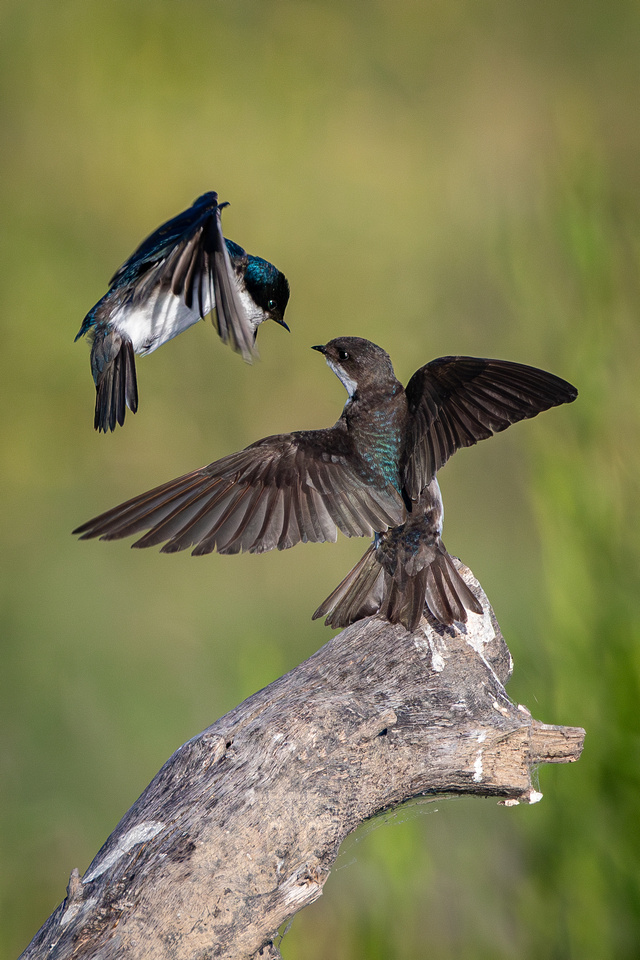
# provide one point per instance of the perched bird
(184, 270)
(373, 472)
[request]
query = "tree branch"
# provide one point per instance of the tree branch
(240, 828)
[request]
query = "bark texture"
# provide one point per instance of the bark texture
(240, 828)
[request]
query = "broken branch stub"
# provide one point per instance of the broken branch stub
(239, 829)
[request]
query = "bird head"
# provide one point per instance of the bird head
(269, 288)
(358, 363)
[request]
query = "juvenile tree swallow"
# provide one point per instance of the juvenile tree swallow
(372, 473)
(184, 270)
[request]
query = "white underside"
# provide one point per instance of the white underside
(160, 319)
(253, 313)
(434, 489)
(156, 321)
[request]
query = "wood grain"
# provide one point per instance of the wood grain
(240, 828)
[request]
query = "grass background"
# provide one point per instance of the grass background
(440, 177)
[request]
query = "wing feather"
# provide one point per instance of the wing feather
(187, 257)
(274, 494)
(454, 402)
(231, 319)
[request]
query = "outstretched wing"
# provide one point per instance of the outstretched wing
(280, 491)
(187, 258)
(456, 401)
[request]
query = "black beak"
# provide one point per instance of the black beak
(320, 349)
(282, 323)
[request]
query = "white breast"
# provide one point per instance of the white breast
(159, 319)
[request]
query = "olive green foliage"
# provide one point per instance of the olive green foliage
(441, 177)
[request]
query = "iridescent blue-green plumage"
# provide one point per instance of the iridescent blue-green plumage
(183, 271)
(381, 443)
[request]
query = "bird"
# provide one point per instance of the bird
(183, 271)
(371, 474)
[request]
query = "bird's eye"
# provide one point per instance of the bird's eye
(343, 355)
(272, 304)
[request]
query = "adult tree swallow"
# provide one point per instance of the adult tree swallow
(184, 270)
(372, 473)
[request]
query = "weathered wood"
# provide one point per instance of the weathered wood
(240, 828)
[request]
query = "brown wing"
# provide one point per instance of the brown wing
(278, 492)
(455, 401)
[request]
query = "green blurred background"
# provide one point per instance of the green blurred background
(440, 177)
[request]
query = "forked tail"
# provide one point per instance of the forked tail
(376, 585)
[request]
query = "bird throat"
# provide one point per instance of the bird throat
(350, 385)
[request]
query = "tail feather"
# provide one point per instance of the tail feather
(357, 596)
(369, 589)
(405, 604)
(131, 379)
(116, 388)
(440, 597)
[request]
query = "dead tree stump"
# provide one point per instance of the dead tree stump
(240, 828)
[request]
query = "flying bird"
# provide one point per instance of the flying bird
(183, 271)
(372, 474)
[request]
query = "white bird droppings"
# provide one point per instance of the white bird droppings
(435, 646)
(480, 631)
(422, 646)
(477, 768)
(437, 660)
